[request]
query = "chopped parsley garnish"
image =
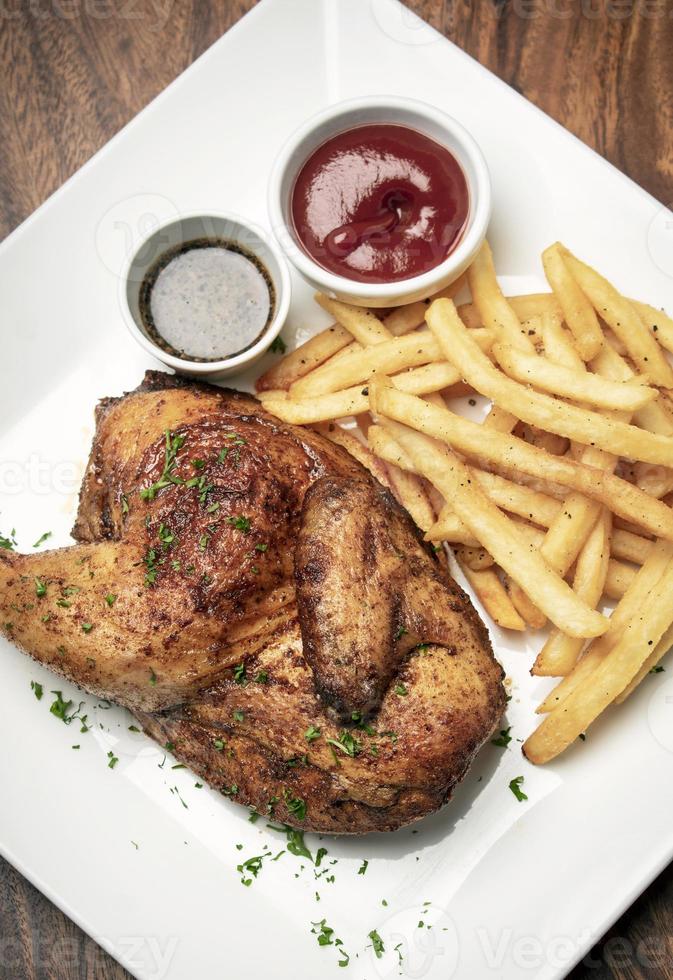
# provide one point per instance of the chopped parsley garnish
(44, 537)
(240, 523)
(515, 786)
(278, 346)
(261, 547)
(218, 744)
(240, 674)
(9, 542)
(312, 733)
(37, 690)
(87, 627)
(239, 716)
(295, 805)
(262, 677)
(111, 598)
(173, 445)
(363, 868)
(252, 866)
(112, 760)
(198, 464)
(503, 739)
(377, 944)
(153, 677)
(40, 588)
(346, 743)
(401, 690)
(166, 536)
(326, 937)
(134, 728)
(151, 561)
(400, 633)
(658, 669)
(62, 709)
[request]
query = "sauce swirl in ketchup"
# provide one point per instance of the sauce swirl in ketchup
(380, 203)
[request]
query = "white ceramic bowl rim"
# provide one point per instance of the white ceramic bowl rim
(283, 289)
(480, 197)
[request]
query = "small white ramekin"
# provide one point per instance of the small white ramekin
(366, 111)
(187, 228)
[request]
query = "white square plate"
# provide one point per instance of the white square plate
(517, 889)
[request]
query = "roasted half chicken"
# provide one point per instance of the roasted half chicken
(259, 601)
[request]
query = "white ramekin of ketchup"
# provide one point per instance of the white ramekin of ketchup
(380, 201)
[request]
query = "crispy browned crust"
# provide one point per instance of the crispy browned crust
(340, 638)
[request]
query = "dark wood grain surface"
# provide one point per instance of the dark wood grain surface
(72, 72)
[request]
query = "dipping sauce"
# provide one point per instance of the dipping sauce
(380, 203)
(206, 300)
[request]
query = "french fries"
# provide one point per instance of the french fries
(589, 428)
(494, 530)
(577, 310)
(305, 359)
(362, 324)
(489, 445)
(492, 595)
(623, 320)
(611, 676)
(590, 389)
(579, 389)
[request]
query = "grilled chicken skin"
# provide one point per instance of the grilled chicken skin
(256, 598)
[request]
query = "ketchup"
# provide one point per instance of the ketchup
(380, 203)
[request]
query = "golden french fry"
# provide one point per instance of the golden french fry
(357, 449)
(657, 322)
(587, 427)
(410, 492)
(560, 652)
(527, 308)
(558, 344)
(359, 365)
(529, 612)
(611, 676)
(495, 311)
(304, 359)
(516, 456)
(490, 591)
(630, 547)
(353, 401)
(660, 651)
(513, 497)
(589, 389)
(619, 578)
(578, 312)
(494, 530)
(405, 318)
(655, 480)
(477, 559)
(500, 420)
(623, 320)
(387, 448)
(641, 587)
(309, 411)
(516, 498)
(360, 322)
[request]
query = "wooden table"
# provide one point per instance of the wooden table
(74, 71)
